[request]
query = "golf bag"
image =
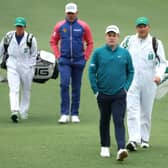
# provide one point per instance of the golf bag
(46, 67)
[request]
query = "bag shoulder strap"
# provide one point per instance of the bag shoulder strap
(29, 40)
(126, 43)
(155, 47)
(7, 39)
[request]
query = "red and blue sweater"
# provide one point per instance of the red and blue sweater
(75, 40)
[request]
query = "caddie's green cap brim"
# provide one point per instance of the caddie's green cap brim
(142, 21)
(19, 24)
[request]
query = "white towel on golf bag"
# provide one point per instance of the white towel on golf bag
(47, 56)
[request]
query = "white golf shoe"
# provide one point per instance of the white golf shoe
(144, 145)
(63, 119)
(105, 152)
(122, 154)
(24, 116)
(75, 119)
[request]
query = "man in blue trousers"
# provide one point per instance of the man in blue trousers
(75, 47)
(110, 74)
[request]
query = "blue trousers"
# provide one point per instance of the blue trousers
(114, 105)
(70, 74)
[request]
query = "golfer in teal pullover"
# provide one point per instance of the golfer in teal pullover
(110, 74)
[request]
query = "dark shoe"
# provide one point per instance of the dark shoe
(14, 118)
(131, 146)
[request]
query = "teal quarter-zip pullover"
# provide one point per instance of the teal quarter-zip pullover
(110, 70)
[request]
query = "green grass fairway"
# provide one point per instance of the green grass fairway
(40, 142)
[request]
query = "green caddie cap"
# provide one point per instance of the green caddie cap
(20, 21)
(142, 21)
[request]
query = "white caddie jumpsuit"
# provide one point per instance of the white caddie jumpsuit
(140, 97)
(20, 71)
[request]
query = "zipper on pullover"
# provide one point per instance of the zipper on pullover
(71, 42)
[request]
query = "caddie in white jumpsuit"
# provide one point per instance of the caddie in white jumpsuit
(149, 72)
(20, 69)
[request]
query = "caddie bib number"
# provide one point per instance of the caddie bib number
(150, 56)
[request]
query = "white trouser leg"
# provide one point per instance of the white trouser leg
(133, 113)
(26, 80)
(14, 84)
(147, 102)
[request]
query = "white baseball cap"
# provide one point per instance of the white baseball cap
(112, 28)
(71, 7)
